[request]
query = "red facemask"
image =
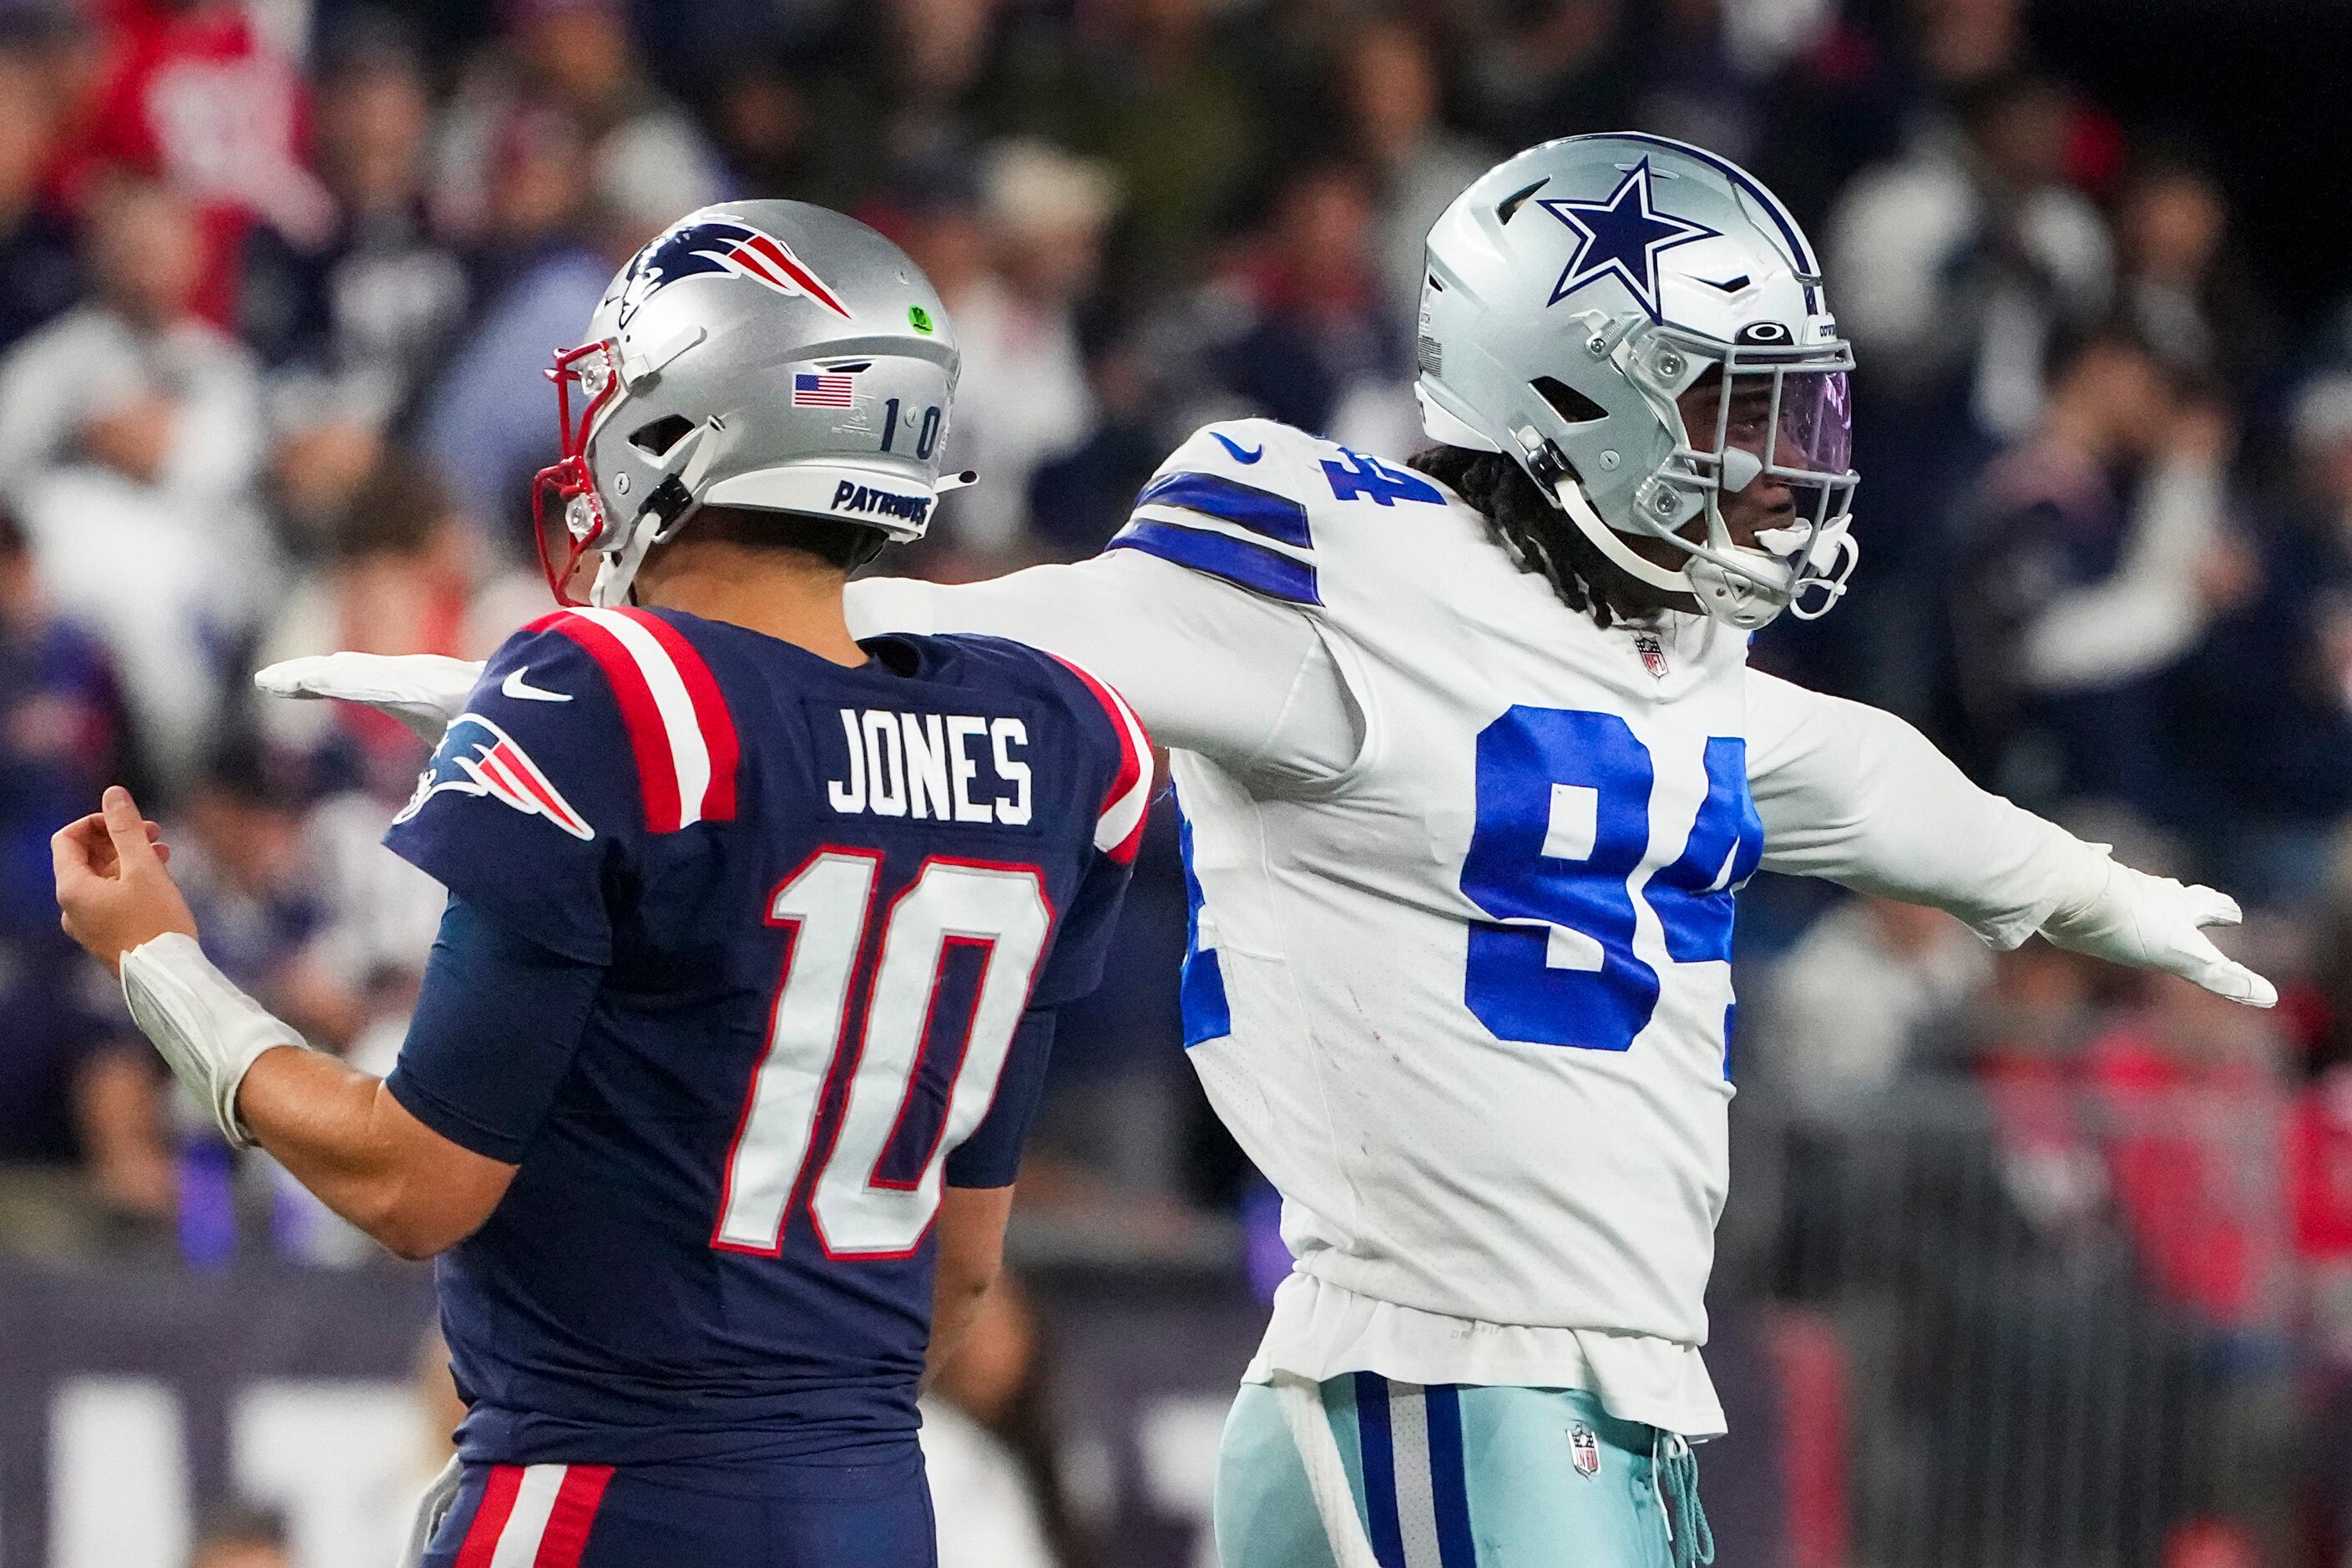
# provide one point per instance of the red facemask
(567, 516)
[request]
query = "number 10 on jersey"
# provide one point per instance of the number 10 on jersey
(863, 1203)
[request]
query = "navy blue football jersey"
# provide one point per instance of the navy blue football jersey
(823, 913)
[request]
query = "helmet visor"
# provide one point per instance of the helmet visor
(1795, 422)
(1785, 420)
(1814, 431)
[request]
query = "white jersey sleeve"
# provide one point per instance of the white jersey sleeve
(1852, 794)
(1201, 611)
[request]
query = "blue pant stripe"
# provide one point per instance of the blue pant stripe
(1449, 1484)
(1379, 1468)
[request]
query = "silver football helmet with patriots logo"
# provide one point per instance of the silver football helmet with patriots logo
(765, 354)
(1576, 291)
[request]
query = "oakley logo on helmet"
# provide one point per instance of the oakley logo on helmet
(718, 247)
(1620, 236)
(851, 496)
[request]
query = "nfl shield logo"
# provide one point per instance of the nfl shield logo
(1652, 652)
(1584, 1450)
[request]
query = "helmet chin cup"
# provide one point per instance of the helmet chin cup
(1738, 599)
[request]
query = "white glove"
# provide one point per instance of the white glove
(2155, 922)
(208, 1030)
(423, 690)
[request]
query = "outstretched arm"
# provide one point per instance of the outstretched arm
(1857, 795)
(1208, 666)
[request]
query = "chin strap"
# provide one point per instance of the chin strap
(1552, 472)
(1739, 597)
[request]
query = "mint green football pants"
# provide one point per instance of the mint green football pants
(1453, 1476)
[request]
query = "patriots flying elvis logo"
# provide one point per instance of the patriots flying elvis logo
(477, 758)
(1620, 236)
(717, 247)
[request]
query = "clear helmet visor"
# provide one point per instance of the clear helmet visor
(1814, 432)
(1775, 420)
(1782, 422)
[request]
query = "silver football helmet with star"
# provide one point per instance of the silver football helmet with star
(765, 354)
(1576, 291)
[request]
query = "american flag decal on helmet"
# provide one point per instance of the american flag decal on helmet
(825, 390)
(717, 247)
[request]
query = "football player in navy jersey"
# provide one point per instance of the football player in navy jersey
(713, 1098)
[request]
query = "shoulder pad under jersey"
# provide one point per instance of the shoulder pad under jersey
(1243, 499)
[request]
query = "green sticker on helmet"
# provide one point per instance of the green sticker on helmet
(920, 319)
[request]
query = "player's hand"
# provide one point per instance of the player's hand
(111, 884)
(423, 690)
(2155, 922)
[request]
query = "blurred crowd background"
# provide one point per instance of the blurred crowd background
(278, 282)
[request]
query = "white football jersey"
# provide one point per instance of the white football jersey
(1463, 867)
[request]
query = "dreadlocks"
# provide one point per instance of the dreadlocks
(1534, 535)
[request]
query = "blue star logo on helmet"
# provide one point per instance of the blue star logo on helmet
(1620, 236)
(717, 247)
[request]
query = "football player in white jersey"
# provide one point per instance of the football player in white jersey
(1472, 767)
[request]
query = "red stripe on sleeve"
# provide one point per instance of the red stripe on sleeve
(1131, 761)
(573, 1516)
(648, 740)
(481, 1542)
(710, 714)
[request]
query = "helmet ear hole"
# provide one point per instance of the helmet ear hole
(659, 436)
(1567, 402)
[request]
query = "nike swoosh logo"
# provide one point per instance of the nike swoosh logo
(1240, 456)
(516, 687)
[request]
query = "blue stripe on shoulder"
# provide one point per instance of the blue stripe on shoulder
(1230, 500)
(1379, 1445)
(1253, 566)
(1449, 1485)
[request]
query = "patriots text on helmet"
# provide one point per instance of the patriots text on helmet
(851, 496)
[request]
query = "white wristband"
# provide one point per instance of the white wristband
(207, 1029)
